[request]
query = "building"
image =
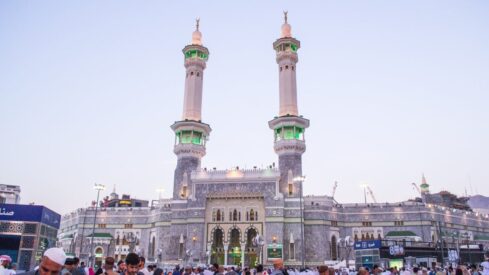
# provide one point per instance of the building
(9, 194)
(26, 231)
(244, 216)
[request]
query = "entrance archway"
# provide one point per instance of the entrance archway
(99, 256)
(234, 252)
(217, 249)
(251, 251)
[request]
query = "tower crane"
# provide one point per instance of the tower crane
(334, 189)
(416, 187)
(371, 193)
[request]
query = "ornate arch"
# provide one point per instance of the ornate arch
(251, 227)
(211, 239)
(231, 229)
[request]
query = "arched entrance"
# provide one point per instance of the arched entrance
(251, 251)
(217, 249)
(234, 251)
(99, 256)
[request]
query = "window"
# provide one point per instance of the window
(286, 67)
(366, 223)
(334, 254)
(252, 215)
(291, 251)
(128, 225)
(398, 223)
(198, 74)
(102, 225)
(291, 189)
(334, 223)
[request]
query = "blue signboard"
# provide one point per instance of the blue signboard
(29, 213)
(370, 244)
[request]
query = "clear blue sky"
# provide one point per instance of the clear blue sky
(393, 89)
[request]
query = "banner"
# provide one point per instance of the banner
(29, 213)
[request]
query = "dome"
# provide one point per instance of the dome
(286, 30)
(197, 38)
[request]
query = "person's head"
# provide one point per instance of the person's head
(215, 267)
(323, 270)
(132, 264)
(52, 261)
(76, 261)
(109, 263)
(331, 271)
(278, 264)
(82, 264)
(259, 268)
(121, 266)
(142, 262)
(70, 264)
(158, 271)
(13, 266)
(187, 269)
(363, 271)
(220, 269)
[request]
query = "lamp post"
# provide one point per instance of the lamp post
(98, 187)
(301, 179)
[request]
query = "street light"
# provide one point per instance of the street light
(301, 179)
(98, 187)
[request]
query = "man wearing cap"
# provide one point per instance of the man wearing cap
(52, 262)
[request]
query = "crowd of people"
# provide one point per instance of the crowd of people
(55, 262)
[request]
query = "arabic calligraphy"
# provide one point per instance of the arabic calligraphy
(3, 212)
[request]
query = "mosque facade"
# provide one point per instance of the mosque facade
(244, 216)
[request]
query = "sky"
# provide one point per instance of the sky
(393, 89)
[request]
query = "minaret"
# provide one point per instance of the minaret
(190, 133)
(425, 187)
(288, 127)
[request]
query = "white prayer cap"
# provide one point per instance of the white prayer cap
(56, 255)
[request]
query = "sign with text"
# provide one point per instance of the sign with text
(29, 213)
(274, 251)
(396, 250)
(370, 244)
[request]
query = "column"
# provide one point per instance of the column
(243, 246)
(226, 246)
(209, 254)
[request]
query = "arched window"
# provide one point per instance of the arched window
(191, 73)
(286, 67)
(218, 215)
(235, 215)
(334, 252)
(256, 215)
(252, 215)
(198, 74)
(247, 216)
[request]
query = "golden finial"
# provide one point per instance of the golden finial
(197, 20)
(285, 16)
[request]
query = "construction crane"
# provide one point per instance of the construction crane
(416, 187)
(334, 189)
(371, 193)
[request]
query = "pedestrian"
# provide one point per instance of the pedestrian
(278, 266)
(142, 268)
(69, 267)
(109, 266)
(121, 266)
(132, 264)
(5, 260)
(52, 261)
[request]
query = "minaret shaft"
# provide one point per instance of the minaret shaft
(288, 127)
(191, 133)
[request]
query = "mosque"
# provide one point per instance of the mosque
(244, 216)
